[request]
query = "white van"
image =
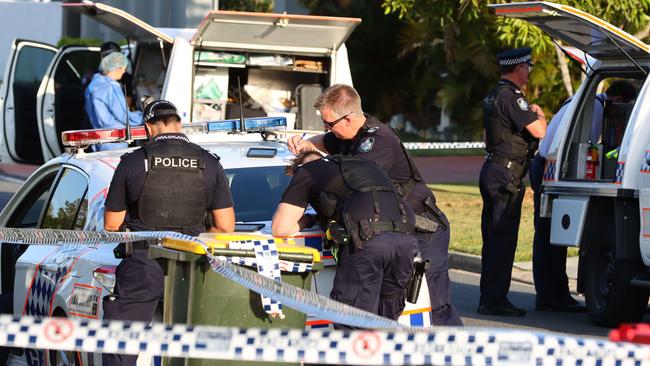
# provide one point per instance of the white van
(281, 61)
(597, 181)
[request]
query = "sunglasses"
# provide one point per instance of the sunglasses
(333, 123)
(530, 65)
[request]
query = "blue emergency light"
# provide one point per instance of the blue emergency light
(251, 124)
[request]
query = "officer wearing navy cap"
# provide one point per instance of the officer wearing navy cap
(512, 129)
(169, 184)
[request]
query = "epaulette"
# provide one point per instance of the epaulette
(372, 129)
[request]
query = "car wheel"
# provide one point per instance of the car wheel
(610, 297)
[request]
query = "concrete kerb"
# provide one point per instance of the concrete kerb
(521, 271)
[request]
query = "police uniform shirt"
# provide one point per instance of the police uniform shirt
(311, 178)
(376, 142)
(130, 175)
(513, 107)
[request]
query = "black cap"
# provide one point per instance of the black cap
(158, 109)
(515, 56)
(107, 48)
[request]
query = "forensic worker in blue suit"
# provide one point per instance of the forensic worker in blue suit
(105, 102)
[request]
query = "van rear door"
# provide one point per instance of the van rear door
(276, 33)
(120, 21)
(28, 63)
(576, 28)
(60, 99)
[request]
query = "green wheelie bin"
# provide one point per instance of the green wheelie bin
(194, 294)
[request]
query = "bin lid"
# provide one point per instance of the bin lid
(222, 241)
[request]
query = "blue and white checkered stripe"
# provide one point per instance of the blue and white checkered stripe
(549, 171)
(620, 168)
(433, 346)
(268, 265)
(645, 168)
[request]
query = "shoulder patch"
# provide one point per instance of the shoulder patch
(367, 144)
(523, 104)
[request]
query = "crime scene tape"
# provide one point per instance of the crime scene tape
(73, 237)
(432, 346)
(443, 145)
(302, 300)
(297, 298)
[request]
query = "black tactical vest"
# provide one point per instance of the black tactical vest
(361, 180)
(500, 138)
(173, 196)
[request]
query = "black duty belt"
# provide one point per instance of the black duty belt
(140, 245)
(509, 164)
(391, 227)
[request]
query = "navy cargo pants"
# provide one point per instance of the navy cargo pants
(374, 278)
(435, 248)
(138, 288)
(500, 229)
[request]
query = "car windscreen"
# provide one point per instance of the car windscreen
(256, 191)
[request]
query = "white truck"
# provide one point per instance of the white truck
(597, 183)
(282, 62)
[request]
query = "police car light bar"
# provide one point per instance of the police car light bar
(103, 136)
(251, 124)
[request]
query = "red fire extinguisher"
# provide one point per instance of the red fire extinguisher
(592, 162)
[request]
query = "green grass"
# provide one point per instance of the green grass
(462, 204)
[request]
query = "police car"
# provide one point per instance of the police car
(68, 192)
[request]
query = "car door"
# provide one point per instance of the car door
(25, 70)
(60, 99)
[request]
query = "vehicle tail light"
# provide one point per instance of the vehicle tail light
(106, 276)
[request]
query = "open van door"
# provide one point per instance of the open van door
(576, 28)
(25, 70)
(278, 33)
(60, 99)
(150, 60)
(120, 21)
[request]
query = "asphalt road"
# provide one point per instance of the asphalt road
(465, 295)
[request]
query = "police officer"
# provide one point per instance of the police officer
(352, 132)
(167, 184)
(512, 128)
(369, 224)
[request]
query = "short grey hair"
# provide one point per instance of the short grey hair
(341, 99)
(113, 61)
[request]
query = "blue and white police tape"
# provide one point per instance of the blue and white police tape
(432, 346)
(297, 298)
(443, 145)
(74, 237)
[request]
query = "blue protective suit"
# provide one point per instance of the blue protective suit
(105, 105)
